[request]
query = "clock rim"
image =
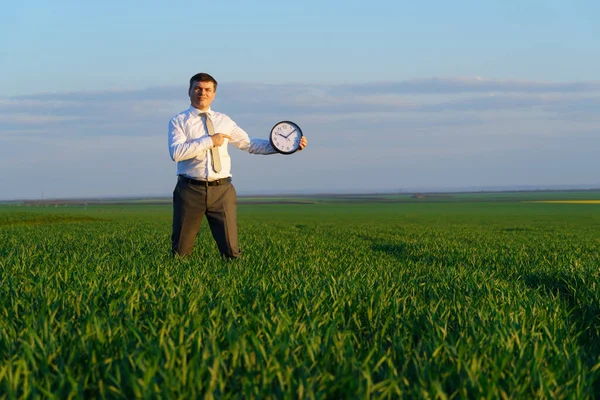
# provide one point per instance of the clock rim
(271, 137)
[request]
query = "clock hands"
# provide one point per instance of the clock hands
(290, 134)
(283, 136)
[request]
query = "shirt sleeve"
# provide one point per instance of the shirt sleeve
(181, 148)
(241, 140)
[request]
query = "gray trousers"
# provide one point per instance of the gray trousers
(190, 203)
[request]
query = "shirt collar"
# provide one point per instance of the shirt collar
(194, 111)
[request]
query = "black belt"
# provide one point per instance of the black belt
(217, 182)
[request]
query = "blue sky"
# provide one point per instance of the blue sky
(391, 94)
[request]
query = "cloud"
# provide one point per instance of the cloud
(411, 129)
(468, 85)
(33, 119)
(423, 95)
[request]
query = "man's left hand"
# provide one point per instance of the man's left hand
(303, 143)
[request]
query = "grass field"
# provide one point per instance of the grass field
(476, 296)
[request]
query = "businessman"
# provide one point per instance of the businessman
(198, 139)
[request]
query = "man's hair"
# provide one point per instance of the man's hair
(202, 77)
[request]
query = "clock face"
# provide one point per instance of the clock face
(285, 137)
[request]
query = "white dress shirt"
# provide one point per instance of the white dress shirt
(189, 144)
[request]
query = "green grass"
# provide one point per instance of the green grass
(424, 299)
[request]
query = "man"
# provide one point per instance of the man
(198, 139)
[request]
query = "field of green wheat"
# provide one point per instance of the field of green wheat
(465, 298)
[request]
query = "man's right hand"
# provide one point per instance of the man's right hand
(219, 138)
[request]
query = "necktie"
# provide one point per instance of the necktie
(216, 159)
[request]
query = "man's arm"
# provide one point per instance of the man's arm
(180, 148)
(241, 140)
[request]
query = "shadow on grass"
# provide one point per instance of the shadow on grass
(412, 253)
(584, 311)
(582, 303)
(572, 289)
(402, 252)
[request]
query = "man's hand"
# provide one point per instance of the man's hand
(219, 138)
(303, 142)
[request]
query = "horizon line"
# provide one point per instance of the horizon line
(516, 189)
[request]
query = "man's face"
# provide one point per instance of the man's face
(202, 94)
